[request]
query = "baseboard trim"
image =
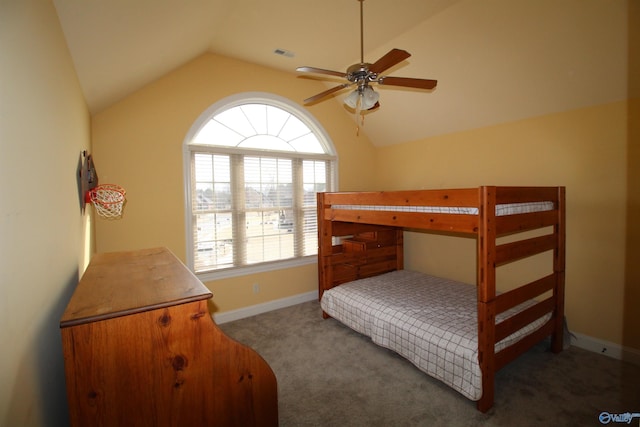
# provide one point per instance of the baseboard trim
(606, 348)
(241, 313)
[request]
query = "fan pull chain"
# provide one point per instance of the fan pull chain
(359, 122)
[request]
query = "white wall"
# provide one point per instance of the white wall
(44, 236)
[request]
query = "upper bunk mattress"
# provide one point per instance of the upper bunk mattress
(501, 209)
(430, 321)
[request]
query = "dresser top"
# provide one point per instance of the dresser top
(122, 283)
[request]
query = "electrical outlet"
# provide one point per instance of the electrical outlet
(256, 288)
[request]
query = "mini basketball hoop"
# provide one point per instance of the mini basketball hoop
(108, 200)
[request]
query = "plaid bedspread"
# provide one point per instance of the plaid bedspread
(430, 321)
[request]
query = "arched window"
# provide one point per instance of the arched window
(253, 165)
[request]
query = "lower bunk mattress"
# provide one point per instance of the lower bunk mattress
(430, 321)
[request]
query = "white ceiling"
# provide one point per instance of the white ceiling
(495, 60)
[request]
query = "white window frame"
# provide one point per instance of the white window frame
(200, 122)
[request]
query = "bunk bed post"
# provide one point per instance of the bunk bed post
(557, 339)
(399, 249)
(324, 248)
(486, 288)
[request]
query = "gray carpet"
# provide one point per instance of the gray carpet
(331, 376)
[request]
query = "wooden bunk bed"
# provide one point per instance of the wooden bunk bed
(361, 236)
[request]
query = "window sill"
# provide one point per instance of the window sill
(210, 276)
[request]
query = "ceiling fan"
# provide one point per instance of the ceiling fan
(364, 74)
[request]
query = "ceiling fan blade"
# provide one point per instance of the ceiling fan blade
(326, 93)
(320, 71)
(408, 82)
(393, 57)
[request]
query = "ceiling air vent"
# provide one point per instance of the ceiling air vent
(284, 52)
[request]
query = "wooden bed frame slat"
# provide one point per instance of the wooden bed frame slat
(517, 296)
(348, 273)
(431, 221)
(376, 268)
(523, 318)
(510, 353)
(509, 252)
(336, 266)
(526, 194)
(357, 258)
(343, 229)
(467, 197)
(344, 273)
(522, 222)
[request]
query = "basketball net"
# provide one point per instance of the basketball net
(108, 200)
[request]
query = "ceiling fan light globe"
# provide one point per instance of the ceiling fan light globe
(369, 98)
(352, 99)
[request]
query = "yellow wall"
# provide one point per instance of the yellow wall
(44, 237)
(584, 150)
(138, 144)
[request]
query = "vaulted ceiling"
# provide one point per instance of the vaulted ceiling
(495, 60)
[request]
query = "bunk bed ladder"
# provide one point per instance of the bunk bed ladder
(492, 255)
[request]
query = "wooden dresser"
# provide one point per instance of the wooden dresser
(141, 349)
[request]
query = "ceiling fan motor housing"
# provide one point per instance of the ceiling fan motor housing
(359, 73)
